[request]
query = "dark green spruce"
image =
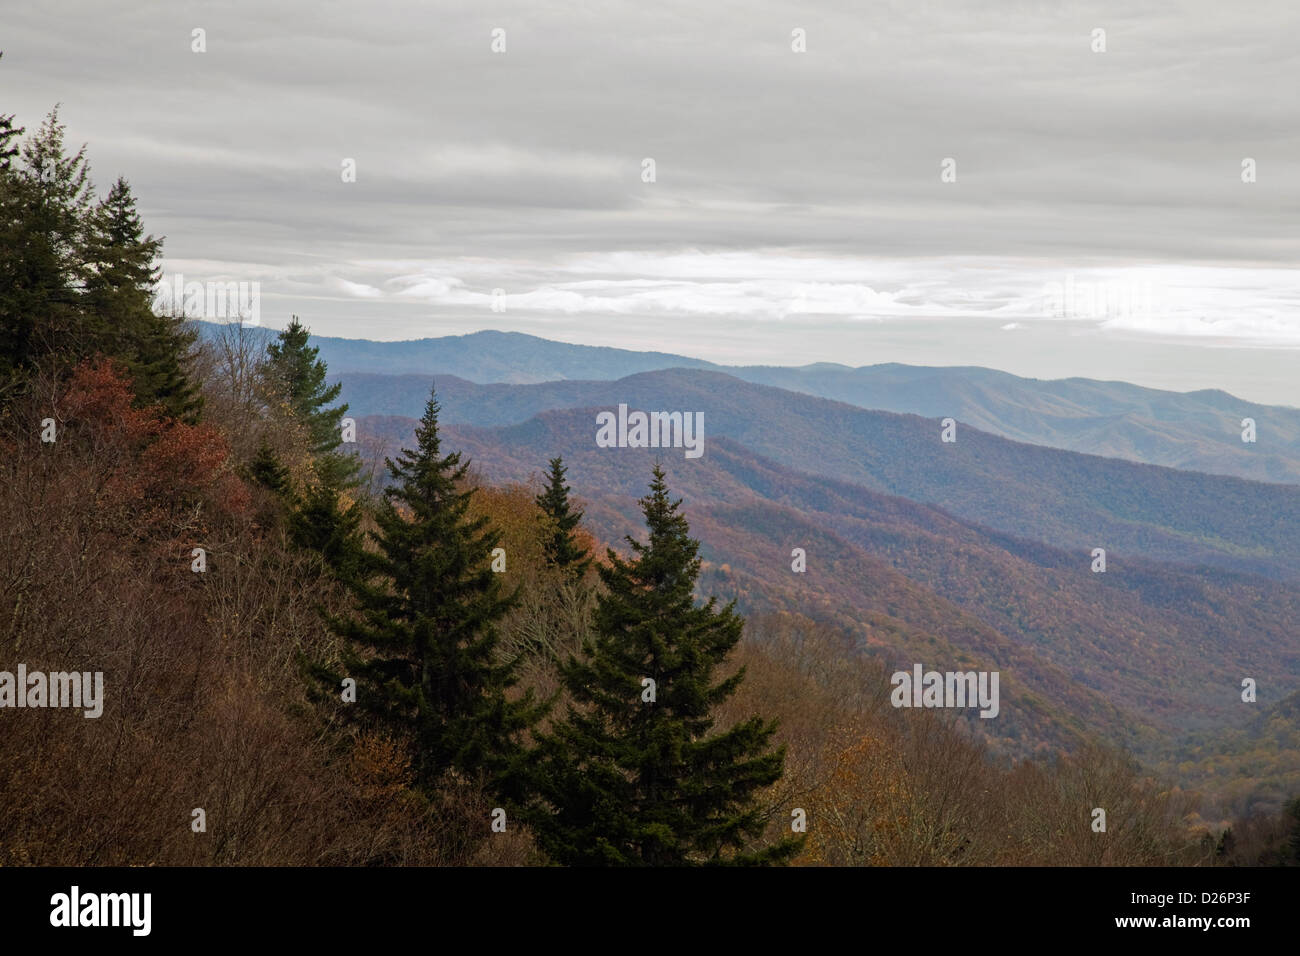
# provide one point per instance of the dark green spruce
(298, 376)
(623, 781)
(267, 470)
(424, 646)
(121, 279)
(77, 277)
(559, 520)
(322, 516)
(45, 205)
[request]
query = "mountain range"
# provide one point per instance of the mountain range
(1068, 500)
(1199, 431)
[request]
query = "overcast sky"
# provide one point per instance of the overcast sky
(1098, 224)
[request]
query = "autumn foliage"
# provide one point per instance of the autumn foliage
(166, 473)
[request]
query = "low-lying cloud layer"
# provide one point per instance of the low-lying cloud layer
(787, 184)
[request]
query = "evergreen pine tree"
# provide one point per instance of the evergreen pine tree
(323, 522)
(123, 262)
(429, 604)
(78, 278)
(119, 292)
(559, 521)
(13, 332)
(45, 204)
(8, 134)
(323, 518)
(298, 375)
(267, 470)
(623, 780)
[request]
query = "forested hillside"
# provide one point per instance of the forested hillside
(1139, 654)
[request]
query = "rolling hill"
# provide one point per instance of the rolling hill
(1198, 431)
(1074, 502)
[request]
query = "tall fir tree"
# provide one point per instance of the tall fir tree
(633, 775)
(559, 520)
(13, 333)
(45, 205)
(429, 605)
(119, 291)
(323, 515)
(76, 277)
(296, 373)
(9, 134)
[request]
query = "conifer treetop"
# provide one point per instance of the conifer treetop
(298, 374)
(634, 774)
(560, 520)
(424, 647)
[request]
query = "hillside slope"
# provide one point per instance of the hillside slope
(1071, 501)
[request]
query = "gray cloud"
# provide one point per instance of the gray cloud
(521, 164)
